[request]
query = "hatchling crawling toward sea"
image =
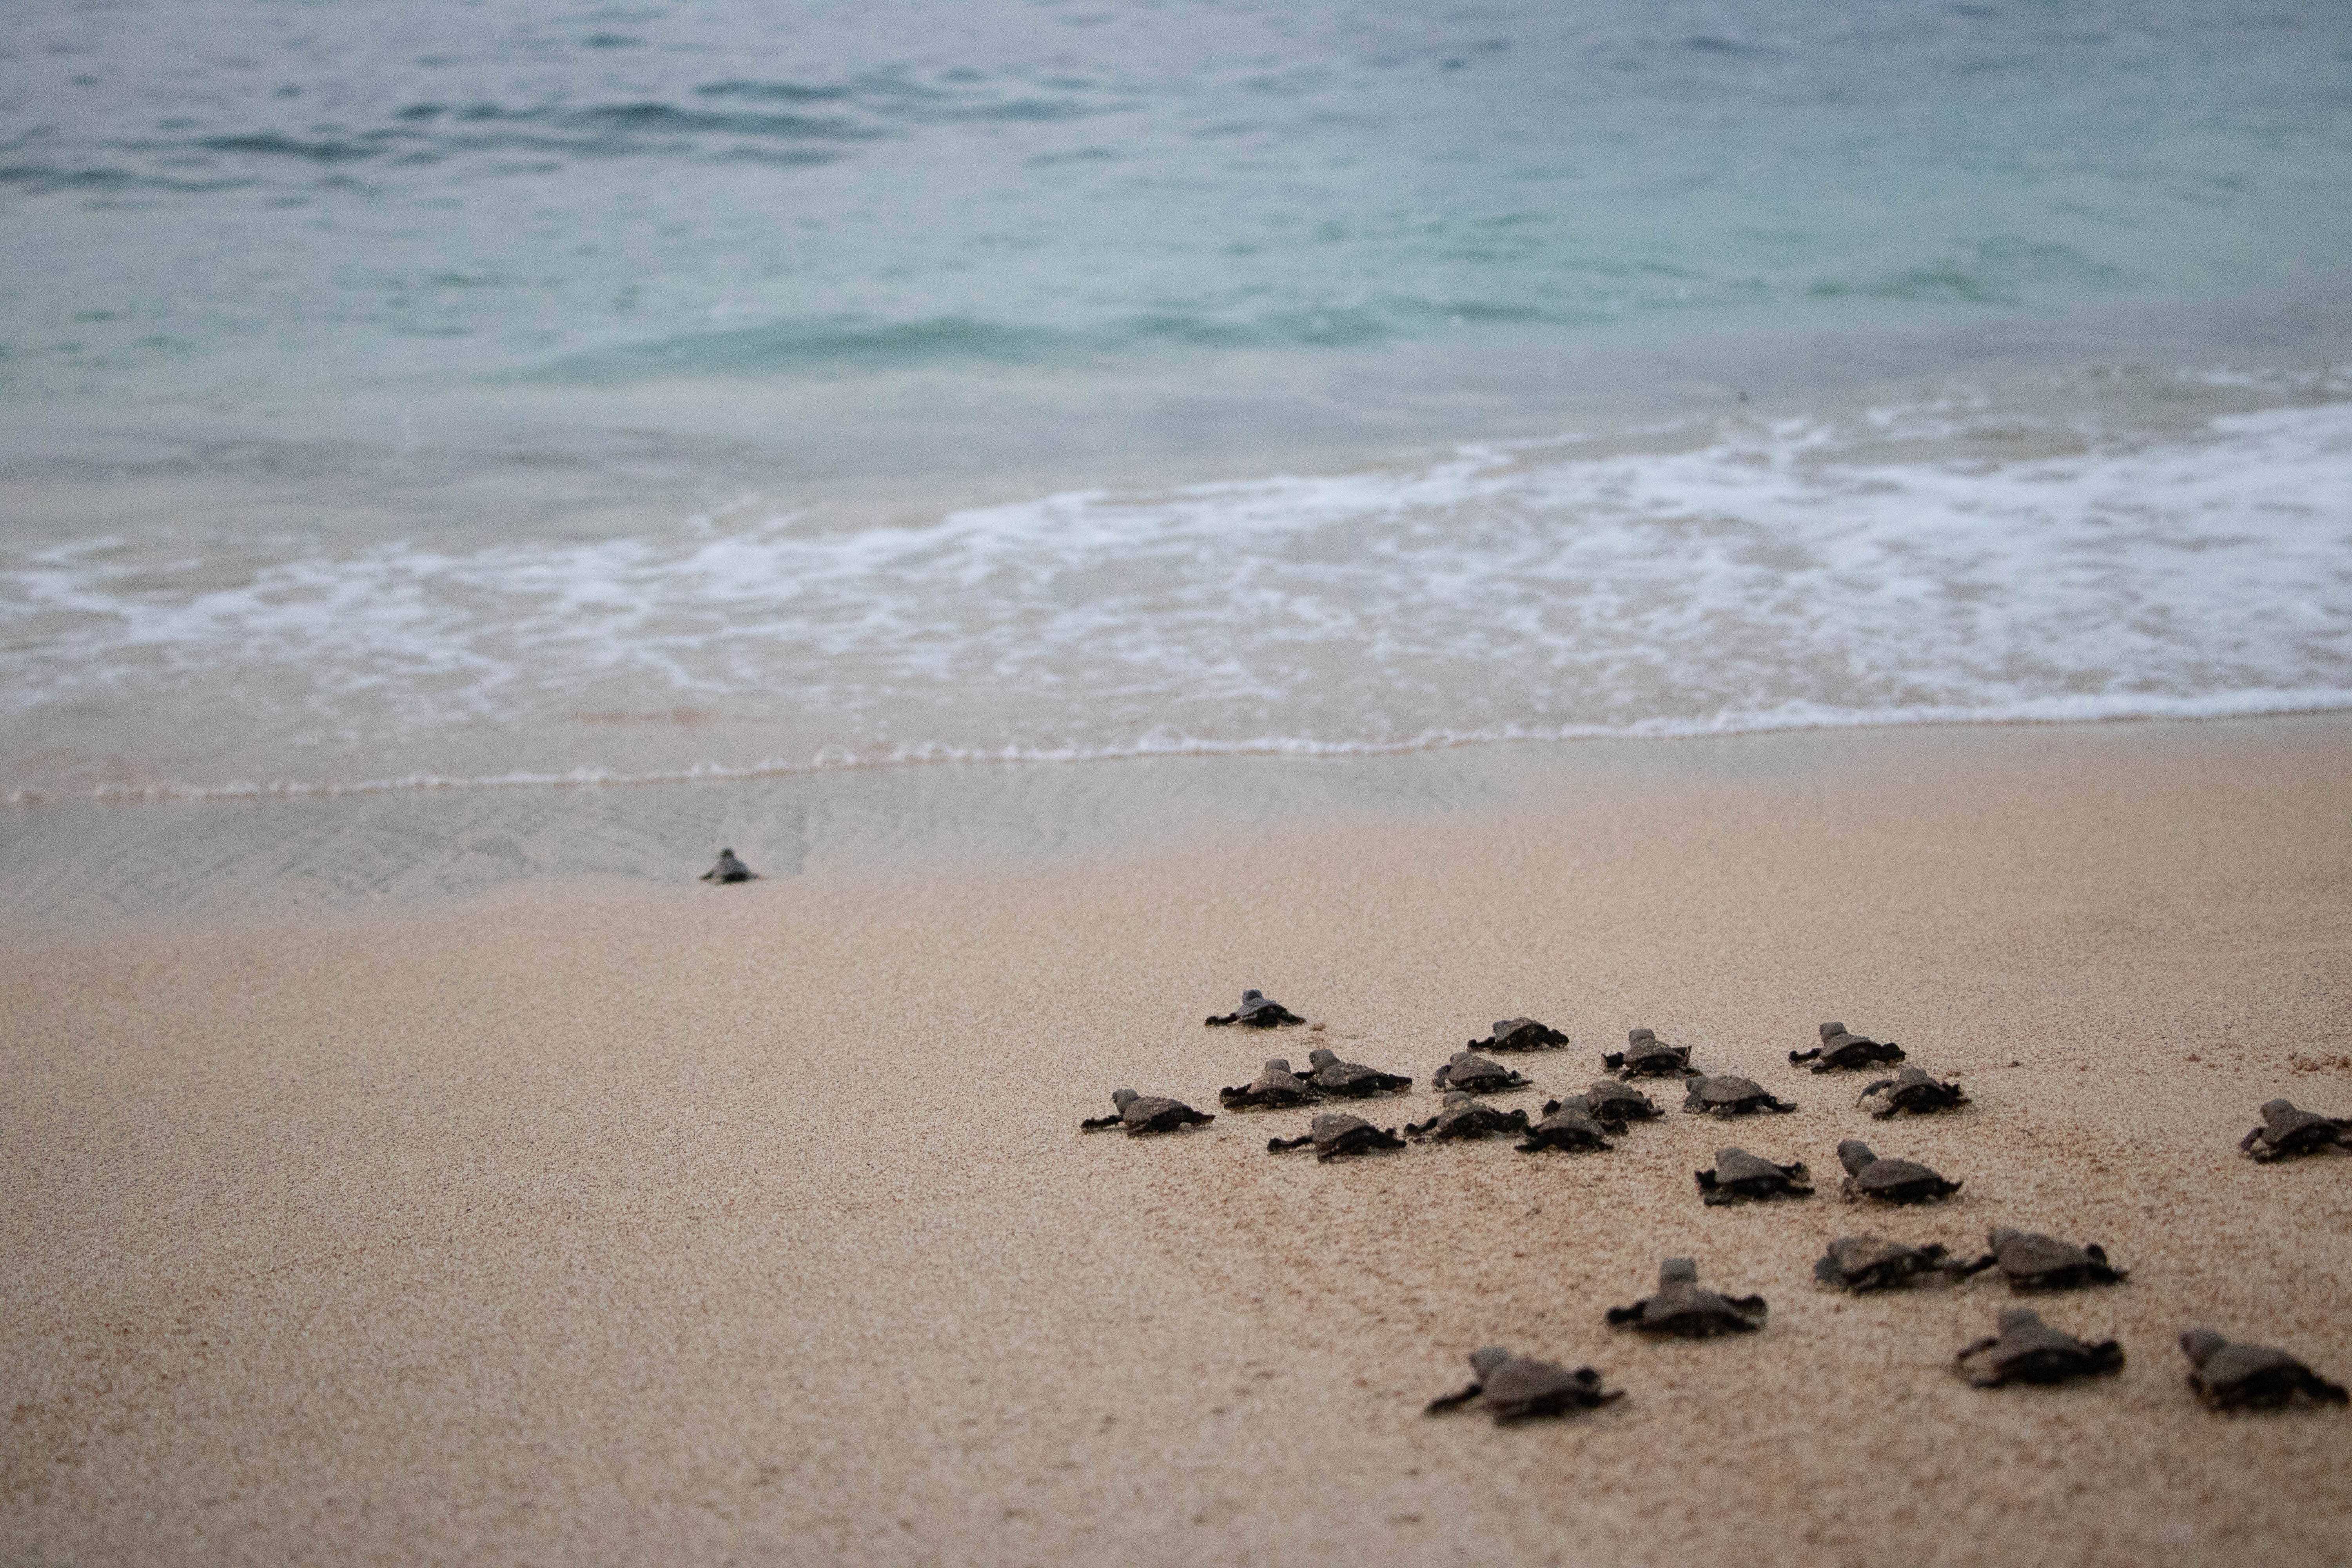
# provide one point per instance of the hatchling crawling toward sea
(2230, 1376)
(2028, 1349)
(729, 869)
(1913, 1091)
(1889, 1181)
(1349, 1080)
(1614, 1104)
(1841, 1051)
(1515, 1388)
(1684, 1308)
(2286, 1131)
(1726, 1094)
(1142, 1113)
(1520, 1034)
(1645, 1056)
(1335, 1134)
(1276, 1088)
(1566, 1125)
(2031, 1261)
(1739, 1176)
(1861, 1263)
(1257, 1011)
(1473, 1074)
(1465, 1116)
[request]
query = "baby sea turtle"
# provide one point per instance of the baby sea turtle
(1738, 1176)
(2028, 1349)
(2032, 1261)
(1520, 1034)
(1335, 1133)
(1276, 1088)
(1889, 1181)
(1682, 1309)
(1470, 1071)
(1463, 1116)
(1142, 1113)
(1614, 1104)
(1566, 1124)
(2228, 1376)
(1841, 1051)
(728, 870)
(1517, 1389)
(1726, 1094)
(1645, 1056)
(1256, 1012)
(1914, 1090)
(1860, 1263)
(2286, 1131)
(1349, 1080)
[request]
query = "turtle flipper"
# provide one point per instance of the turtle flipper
(1099, 1123)
(1813, 1056)
(1444, 1403)
(1621, 1316)
(1276, 1145)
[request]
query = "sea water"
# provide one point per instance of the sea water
(452, 394)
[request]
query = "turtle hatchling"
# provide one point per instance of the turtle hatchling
(1142, 1113)
(1276, 1088)
(1889, 1181)
(1349, 1080)
(2228, 1376)
(1515, 1388)
(1335, 1134)
(1520, 1034)
(1860, 1263)
(1725, 1094)
(2031, 1261)
(1645, 1056)
(728, 870)
(1914, 1090)
(2028, 1349)
(1566, 1124)
(1841, 1052)
(1257, 1011)
(1463, 1116)
(1474, 1073)
(2286, 1131)
(1614, 1104)
(1739, 1176)
(1683, 1309)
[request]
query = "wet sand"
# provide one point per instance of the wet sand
(592, 1219)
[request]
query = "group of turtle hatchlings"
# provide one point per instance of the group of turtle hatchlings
(2024, 1349)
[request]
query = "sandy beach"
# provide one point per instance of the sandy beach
(597, 1218)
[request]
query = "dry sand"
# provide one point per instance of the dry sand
(588, 1223)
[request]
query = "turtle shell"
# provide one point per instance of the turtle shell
(1157, 1113)
(2289, 1130)
(2228, 1376)
(1860, 1263)
(1611, 1101)
(1842, 1050)
(1687, 1310)
(1275, 1088)
(2031, 1261)
(1739, 1174)
(1566, 1125)
(1890, 1180)
(1914, 1090)
(2027, 1350)
(1463, 1116)
(1726, 1094)
(1518, 1388)
(1520, 1034)
(1645, 1056)
(1473, 1074)
(1257, 1011)
(1351, 1080)
(1335, 1134)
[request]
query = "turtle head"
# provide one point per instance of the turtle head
(2199, 1345)
(1277, 1064)
(1829, 1029)
(1854, 1154)
(1321, 1056)
(1123, 1098)
(1635, 1036)
(1677, 1272)
(723, 854)
(2276, 1108)
(2014, 1318)
(1248, 996)
(1486, 1361)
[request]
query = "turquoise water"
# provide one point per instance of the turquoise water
(507, 392)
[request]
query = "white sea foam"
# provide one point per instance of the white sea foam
(1895, 568)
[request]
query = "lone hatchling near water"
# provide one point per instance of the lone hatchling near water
(2286, 1131)
(1349, 1080)
(1520, 1034)
(1683, 1309)
(2028, 1349)
(728, 870)
(1257, 1011)
(1841, 1051)
(1567, 1125)
(1463, 1116)
(1726, 1094)
(1645, 1056)
(1142, 1113)
(1914, 1090)
(1861, 1263)
(1739, 1176)
(1276, 1088)
(2228, 1376)
(1469, 1072)
(1518, 1389)
(1889, 1181)
(1335, 1133)
(2031, 1261)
